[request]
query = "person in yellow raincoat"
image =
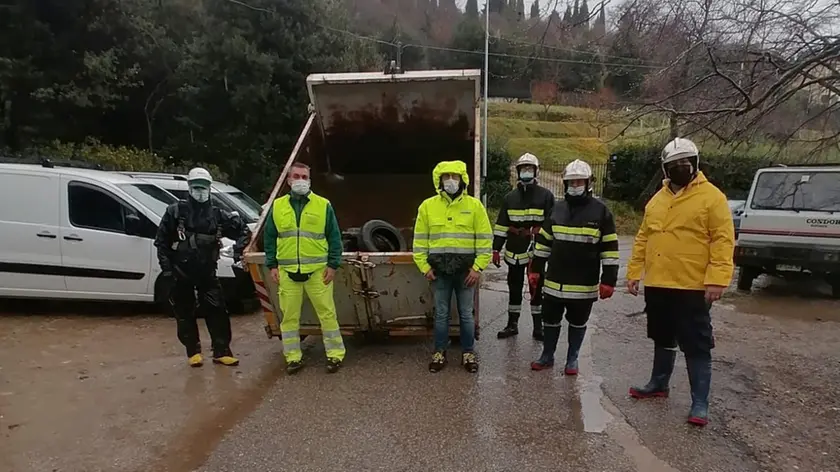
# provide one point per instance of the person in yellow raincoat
(684, 251)
(452, 244)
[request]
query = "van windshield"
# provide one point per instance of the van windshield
(151, 196)
(798, 191)
(214, 199)
(250, 209)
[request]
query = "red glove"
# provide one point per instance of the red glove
(497, 259)
(533, 280)
(535, 230)
(605, 291)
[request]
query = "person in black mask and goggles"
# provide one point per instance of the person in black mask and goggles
(576, 241)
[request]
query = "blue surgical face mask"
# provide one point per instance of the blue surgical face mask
(576, 191)
(200, 194)
(526, 176)
(300, 186)
(451, 186)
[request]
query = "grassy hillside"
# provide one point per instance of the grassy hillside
(561, 134)
(564, 133)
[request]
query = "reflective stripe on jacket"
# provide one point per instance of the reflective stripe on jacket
(522, 209)
(686, 240)
(581, 247)
(447, 226)
(301, 248)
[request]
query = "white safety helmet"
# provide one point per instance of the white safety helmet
(577, 169)
(528, 159)
(198, 174)
(679, 148)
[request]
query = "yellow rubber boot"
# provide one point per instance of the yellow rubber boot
(226, 360)
(196, 361)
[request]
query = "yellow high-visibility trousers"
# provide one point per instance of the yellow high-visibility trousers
(321, 297)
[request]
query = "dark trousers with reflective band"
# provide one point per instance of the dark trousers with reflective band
(516, 280)
(680, 318)
(211, 305)
(576, 311)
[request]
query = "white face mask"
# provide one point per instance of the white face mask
(199, 194)
(576, 191)
(526, 175)
(451, 186)
(300, 187)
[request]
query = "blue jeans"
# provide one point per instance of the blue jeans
(444, 286)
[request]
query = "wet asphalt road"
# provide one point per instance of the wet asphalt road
(111, 393)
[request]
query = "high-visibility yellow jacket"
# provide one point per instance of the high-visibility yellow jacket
(686, 240)
(301, 238)
(452, 231)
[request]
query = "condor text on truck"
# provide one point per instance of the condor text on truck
(791, 226)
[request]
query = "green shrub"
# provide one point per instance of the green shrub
(497, 184)
(117, 158)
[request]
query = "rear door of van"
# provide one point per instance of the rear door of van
(30, 251)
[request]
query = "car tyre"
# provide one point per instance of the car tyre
(746, 276)
(381, 236)
(835, 287)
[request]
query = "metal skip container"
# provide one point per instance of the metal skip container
(371, 141)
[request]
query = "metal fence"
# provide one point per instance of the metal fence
(551, 177)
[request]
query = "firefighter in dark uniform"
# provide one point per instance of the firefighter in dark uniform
(188, 243)
(520, 219)
(579, 243)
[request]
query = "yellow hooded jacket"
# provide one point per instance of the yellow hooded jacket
(447, 226)
(686, 240)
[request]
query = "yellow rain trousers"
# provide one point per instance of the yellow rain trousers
(321, 297)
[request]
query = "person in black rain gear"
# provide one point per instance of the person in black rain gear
(188, 243)
(519, 220)
(576, 241)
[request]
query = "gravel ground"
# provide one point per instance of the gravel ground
(111, 392)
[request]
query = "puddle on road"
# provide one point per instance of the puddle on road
(599, 415)
(207, 424)
(592, 413)
(803, 300)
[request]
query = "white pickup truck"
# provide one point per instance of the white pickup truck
(791, 226)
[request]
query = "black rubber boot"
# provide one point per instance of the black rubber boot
(660, 376)
(576, 336)
(538, 327)
(700, 378)
(546, 360)
(512, 328)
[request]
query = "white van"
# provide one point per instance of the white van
(222, 195)
(72, 233)
(791, 225)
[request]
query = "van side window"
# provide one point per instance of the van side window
(94, 209)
